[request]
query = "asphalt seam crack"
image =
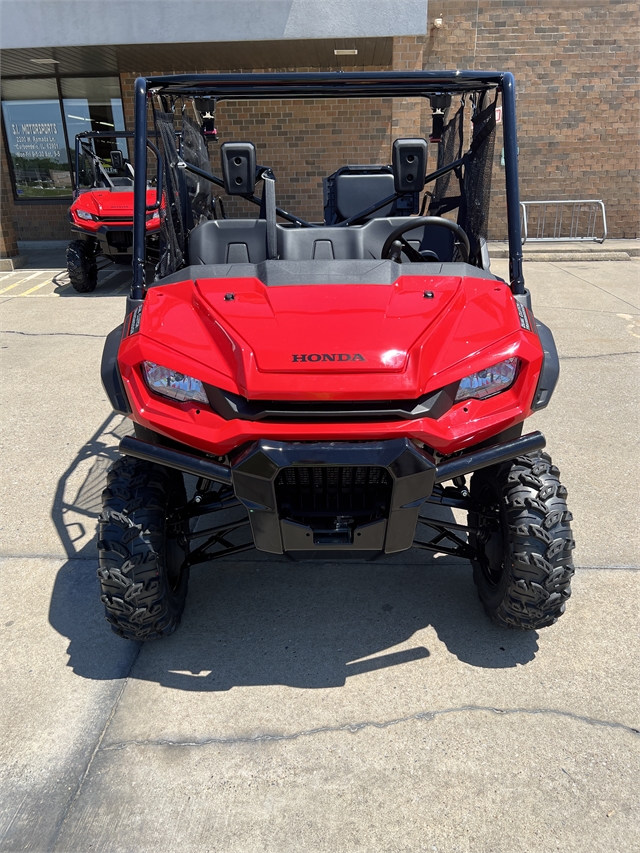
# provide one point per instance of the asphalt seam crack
(634, 568)
(354, 728)
(50, 334)
(61, 558)
(547, 309)
(96, 749)
(599, 287)
(439, 564)
(599, 355)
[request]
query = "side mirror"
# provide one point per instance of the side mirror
(409, 165)
(238, 167)
(117, 160)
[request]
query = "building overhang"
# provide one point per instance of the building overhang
(68, 23)
(84, 60)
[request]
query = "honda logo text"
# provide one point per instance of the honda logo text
(328, 356)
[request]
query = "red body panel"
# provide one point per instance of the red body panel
(111, 208)
(408, 345)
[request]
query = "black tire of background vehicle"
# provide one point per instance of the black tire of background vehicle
(81, 266)
(524, 569)
(143, 576)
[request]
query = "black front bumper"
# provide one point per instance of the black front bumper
(395, 475)
(408, 474)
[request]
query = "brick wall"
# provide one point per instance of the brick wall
(409, 115)
(576, 70)
(42, 221)
(305, 140)
(575, 65)
(28, 221)
(8, 244)
(302, 141)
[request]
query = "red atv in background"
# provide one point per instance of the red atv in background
(102, 211)
(328, 387)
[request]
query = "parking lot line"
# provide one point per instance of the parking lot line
(33, 295)
(107, 277)
(37, 287)
(16, 283)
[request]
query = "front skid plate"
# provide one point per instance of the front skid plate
(412, 473)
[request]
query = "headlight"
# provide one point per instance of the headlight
(82, 214)
(486, 383)
(169, 383)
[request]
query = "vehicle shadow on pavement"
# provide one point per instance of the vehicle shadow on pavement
(264, 620)
(113, 280)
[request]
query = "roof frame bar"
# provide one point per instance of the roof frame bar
(334, 84)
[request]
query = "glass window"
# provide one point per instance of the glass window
(35, 136)
(33, 116)
(94, 104)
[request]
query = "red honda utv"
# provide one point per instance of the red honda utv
(101, 214)
(333, 387)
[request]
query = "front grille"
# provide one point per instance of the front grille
(230, 406)
(120, 240)
(316, 495)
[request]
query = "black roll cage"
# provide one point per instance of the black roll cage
(80, 146)
(87, 135)
(333, 84)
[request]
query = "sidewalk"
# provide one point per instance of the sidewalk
(49, 254)
(610, 250)
(321, 706)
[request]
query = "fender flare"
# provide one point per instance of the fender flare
(550, 368)
(110, 373)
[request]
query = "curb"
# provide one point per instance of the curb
(13, 264)
(566, 256)
(41, 245)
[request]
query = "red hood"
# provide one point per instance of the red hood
(110, 207)
(105, 203)
(342, 341)
(328, 328)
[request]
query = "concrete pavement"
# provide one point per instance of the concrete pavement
(561, 252)
(315, 706)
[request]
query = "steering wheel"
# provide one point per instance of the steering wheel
(418, 222)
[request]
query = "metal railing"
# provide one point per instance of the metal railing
(563, 221)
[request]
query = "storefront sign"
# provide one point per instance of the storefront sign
(36, 140)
